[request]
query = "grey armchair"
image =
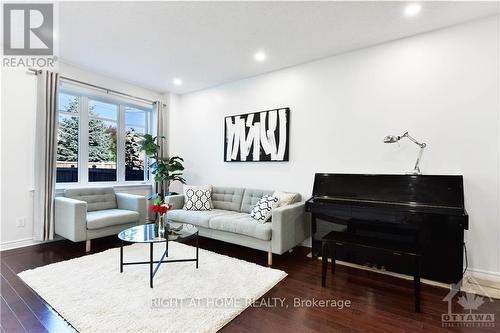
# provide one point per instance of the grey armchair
(82, 214)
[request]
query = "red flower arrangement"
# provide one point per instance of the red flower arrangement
(160, 207)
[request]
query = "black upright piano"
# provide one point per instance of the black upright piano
(394, 208)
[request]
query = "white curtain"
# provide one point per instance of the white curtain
(159, 111)
(45, 155)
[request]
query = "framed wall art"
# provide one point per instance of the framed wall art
(257, 137)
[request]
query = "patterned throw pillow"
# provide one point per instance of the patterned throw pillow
(262, 210)
(203, 188)
(198, 198)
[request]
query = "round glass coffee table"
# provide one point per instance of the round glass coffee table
(146, 233)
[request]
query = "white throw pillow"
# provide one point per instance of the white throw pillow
(198, 197)
(262, 210)
(285, 198)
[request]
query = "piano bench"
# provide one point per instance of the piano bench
(335, 238)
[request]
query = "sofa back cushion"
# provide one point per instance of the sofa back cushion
(227, 198)
(251, 197)
(97, 198)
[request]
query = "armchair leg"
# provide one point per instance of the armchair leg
(87, 245)
(269, 258)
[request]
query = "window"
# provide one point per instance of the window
(103, 128)
(135, 121)
(67, 139)
(98, 139)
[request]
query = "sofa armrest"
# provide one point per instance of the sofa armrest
(71, 218)
(137, 203)
(177, 201)
(289, 227)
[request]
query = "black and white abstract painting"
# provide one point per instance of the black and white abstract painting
(259, 136)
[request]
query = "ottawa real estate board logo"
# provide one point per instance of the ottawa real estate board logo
(470, 302)
(28, 35)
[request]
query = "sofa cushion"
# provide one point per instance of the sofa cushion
(97, 198)
(197, 197)
(108, 217)
(250, 198)
(243, 224)
(195, 217)
(227, 198)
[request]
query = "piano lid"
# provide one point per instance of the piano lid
(420, 190)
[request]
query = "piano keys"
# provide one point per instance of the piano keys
(428, 209)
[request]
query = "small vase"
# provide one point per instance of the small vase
(161, 225)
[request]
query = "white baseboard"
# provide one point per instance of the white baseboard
(17, 243)
(481, 274)
(14, 244)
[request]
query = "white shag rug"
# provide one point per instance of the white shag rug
(93, 296)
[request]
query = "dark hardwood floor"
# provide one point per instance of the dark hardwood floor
(379, 303)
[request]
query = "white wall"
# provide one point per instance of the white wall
(443, 87)
(17, 154)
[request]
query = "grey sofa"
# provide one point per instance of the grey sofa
(230, 220)
(82, 214)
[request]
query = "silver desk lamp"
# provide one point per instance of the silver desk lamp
(395, 138)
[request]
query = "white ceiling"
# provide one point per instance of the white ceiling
(209, 43)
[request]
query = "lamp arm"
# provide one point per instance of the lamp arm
(416, 169)
(406, 135)
(422, 145)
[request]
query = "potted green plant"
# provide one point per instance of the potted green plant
(164, 169)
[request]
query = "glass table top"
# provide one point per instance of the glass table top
(146, 233)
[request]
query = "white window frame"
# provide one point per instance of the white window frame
(84, 96)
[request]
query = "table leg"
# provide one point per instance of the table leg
(166, 243)
(151, 265)
(121, 257)
(197, 236)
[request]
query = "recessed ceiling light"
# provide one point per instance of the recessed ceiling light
(177, 82)
(412, 9)
(260, 56)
